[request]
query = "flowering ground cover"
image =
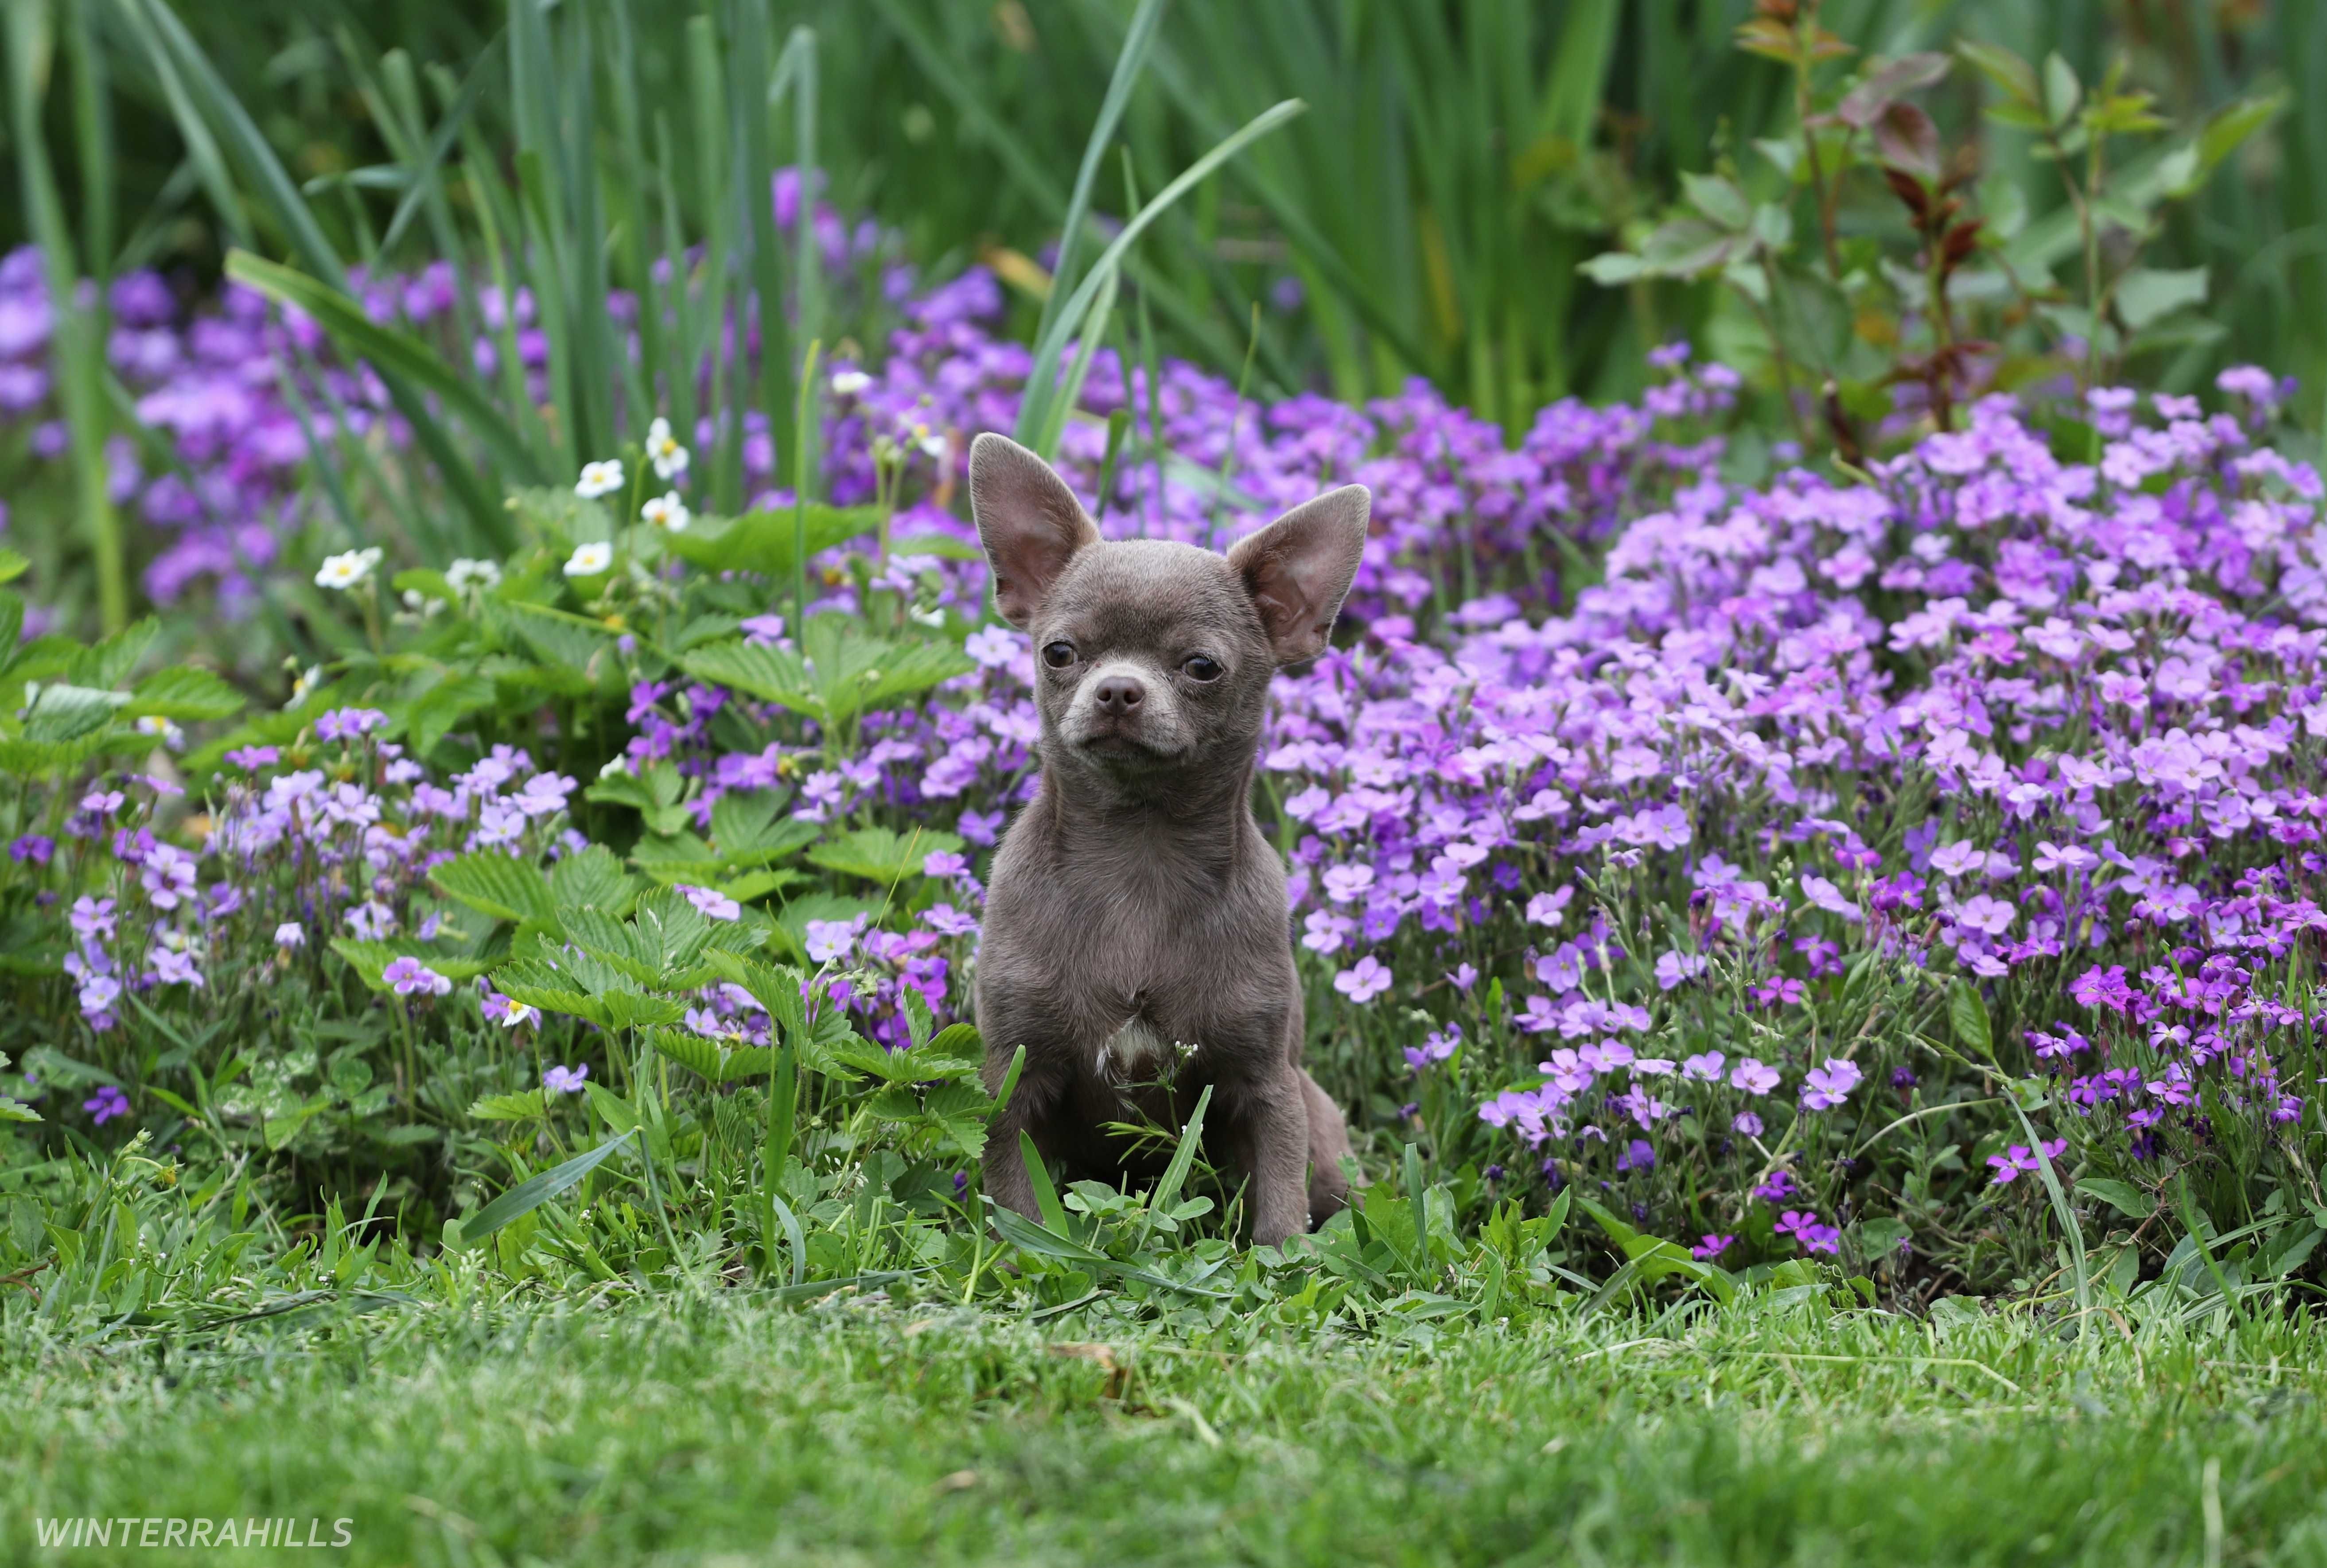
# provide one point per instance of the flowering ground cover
(1884, 870)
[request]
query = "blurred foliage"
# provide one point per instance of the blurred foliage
(1458, 160)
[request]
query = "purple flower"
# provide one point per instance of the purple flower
(1753, 1076)
(830, 941)
(564, 1080)
(1363, 980)
(92, 919)
(1712, 1246)
(349, 724)
(1806, 1228)
(174, 966)
(409, 977)
(32, 848)
(713, 904)
(2018, 1158)
(168, 876)
(107, 1102)
(1824, 1088)
(2099, 987)
(1434, 1048)
(948, 922)
(1828, 897)
(289, 934)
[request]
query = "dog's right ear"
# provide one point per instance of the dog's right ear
(1028, 520)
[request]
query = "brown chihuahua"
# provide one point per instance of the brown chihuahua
(1136, 939)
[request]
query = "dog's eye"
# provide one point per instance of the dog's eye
(1058, 655)
(1200, 666)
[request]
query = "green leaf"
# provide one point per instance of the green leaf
(1718, 200)
(2122, 1196)
(1613, 268)
(2001, 66)
(595, 879)
(2062, 92)
(61, 712)
(109, 663)
(747, 829)
(882, 855)
(1967, 1016)
(11, 565)
(432, 715)
(184, 691)
(517, 1108)
(691, 1050)
(2146, 294)
(497, 884)
(531, 1194)
(761, 541)
(846, 670)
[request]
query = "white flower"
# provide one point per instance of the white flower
(162, 729)
(600, 478)
(519, 1013)
(464, 574)
(289, 935)
(849, 383)
(345, 571)
(669, 457)
(589, 560)
(616, 766)
(929, 440)
(305, 686)
(668, 512)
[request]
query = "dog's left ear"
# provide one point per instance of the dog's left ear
(1029, 521)
(1299, 568)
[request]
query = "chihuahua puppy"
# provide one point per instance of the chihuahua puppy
(1136, 939)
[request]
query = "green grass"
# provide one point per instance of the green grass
(725, 1430)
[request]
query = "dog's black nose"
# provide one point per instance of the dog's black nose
(1119, 693)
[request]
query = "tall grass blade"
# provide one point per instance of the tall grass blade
(1042, 389)
(79, 331)
(1128, 64)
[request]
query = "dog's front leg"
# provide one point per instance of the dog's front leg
(1006, 1179)
(1276, 1151)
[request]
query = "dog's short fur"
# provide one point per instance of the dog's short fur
(1135, 914)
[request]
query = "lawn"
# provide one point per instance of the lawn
(716, 1428)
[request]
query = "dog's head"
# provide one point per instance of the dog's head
(1153, 658)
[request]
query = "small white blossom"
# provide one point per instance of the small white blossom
(600, 478)
(849, 383)
(344, 571)
(663, 449)
(589, 560)
(464, 574)
(668, 512)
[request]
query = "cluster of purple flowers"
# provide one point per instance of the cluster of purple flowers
(2045, 722)
(228, 386)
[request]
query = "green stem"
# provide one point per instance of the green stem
(801, 476)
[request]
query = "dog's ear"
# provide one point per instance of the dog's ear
(1028, 520)
(1298, 569)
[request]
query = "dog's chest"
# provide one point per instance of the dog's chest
(1136, 1050)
